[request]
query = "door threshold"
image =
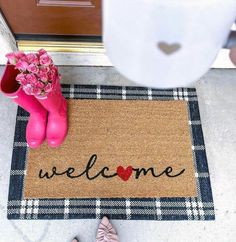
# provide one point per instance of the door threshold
(69, 53)
(61, 46)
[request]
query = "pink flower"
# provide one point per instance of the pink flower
(40, 84)
(41, 52)
(45, 69)
(28, 89)
(43, 73)
(33, 68)
(45, 60)
(14, 57)
(31, 78)
(37, 91)
(53, 74)
(32, 58)
(48, 88)
(54, 68)
(21, 65)
(20, 55)
(43, 76)
(11, 58)
(21, 78)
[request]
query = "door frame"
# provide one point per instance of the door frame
(7, 40)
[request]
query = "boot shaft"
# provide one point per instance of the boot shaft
(8, 84)
(54, 102)
(56, 106)
(12, 89)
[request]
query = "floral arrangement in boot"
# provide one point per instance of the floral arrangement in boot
(32, 81)
(37, 74)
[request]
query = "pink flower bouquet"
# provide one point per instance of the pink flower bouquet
(38, 74)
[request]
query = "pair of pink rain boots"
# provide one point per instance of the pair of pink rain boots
(48, 116)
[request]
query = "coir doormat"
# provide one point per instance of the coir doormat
(131, 153)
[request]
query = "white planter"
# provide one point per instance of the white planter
(165, 43)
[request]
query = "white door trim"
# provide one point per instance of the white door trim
(7, 40)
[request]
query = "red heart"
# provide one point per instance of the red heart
(123, 173)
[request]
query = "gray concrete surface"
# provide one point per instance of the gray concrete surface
(217, 100)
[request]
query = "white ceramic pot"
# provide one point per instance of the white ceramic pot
(166, 43)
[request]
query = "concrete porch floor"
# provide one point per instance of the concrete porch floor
(217, 101)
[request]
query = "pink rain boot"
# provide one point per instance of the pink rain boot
(36, 127)
(57, 125)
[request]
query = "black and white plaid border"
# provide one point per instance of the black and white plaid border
(184, 208)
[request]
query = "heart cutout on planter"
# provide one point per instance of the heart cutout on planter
(168, 49)
(124, 173)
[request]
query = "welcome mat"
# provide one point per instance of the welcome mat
(117, 148)
(140, 157)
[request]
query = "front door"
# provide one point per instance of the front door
(53, 17)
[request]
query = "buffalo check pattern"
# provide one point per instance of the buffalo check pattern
(184, 208)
